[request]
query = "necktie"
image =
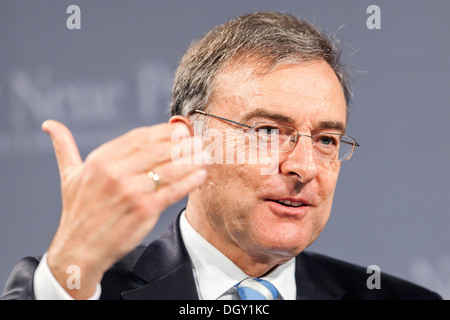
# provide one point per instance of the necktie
(256, 289)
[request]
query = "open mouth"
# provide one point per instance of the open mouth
(289, 207)
(289, 203)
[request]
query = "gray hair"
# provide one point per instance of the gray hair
(269, 38)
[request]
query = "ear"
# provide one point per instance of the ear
(181, 119)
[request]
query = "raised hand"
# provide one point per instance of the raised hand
(109, 202)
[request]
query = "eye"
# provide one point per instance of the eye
(326, 140)
(267, 132)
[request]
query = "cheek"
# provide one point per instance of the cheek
(228, 194)
(326, 181)
(328, 173)
(231, 183)
(326, 185)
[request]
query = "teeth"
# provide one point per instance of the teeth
(291, 203)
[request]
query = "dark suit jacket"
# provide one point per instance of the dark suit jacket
(163, 270)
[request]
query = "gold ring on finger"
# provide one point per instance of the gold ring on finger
(155, 177)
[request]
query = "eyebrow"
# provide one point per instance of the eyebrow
(261, 113)
(278, 117)
(332, 125)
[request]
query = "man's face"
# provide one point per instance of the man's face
(241, 207)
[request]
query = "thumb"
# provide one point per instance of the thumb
(66, 150)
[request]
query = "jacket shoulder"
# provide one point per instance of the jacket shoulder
(19, 285)
(360, 283)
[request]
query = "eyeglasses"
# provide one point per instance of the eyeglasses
(280, 138)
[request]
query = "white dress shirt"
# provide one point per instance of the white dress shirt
(215, 275)
(46, 287)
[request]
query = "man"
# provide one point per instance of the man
(266, 88)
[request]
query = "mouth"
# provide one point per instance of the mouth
(288, 207)
(289, 203)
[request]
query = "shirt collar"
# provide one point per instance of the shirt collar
(215, 273)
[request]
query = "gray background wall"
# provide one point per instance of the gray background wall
(393, 198)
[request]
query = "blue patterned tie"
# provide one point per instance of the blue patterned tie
(256, 289)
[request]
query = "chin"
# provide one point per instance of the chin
(284, 243)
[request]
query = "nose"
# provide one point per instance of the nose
(300, 161)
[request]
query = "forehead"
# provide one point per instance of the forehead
(307, 91)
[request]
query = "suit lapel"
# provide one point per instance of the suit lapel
(314, 282)
(167, 269)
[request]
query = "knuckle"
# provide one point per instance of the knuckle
(158, 151)
(101, 173)
(94, 162)
(139, 136)
(128, 195)
(142, 209)
(114, 176)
